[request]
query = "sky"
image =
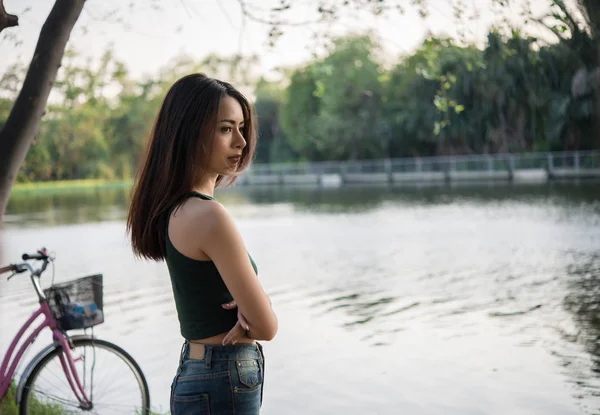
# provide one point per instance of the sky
(147, 38)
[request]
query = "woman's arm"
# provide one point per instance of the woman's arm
(225, 247)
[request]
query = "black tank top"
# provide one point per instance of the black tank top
(199, 291)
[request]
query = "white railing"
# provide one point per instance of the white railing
(550, 161)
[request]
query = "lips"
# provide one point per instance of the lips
(235, 159)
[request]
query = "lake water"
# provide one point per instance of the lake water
(453, 300)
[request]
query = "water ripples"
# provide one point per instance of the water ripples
(438, 289)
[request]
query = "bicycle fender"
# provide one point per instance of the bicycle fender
(37, 359)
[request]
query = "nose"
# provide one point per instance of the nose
(240, 141)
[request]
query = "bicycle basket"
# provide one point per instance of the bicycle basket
(77, 304)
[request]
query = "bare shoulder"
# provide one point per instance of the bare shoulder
(194, 222)
(199, 211)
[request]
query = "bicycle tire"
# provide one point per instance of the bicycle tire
(30, 404)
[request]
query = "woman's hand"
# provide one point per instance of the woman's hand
(239, 330)
(236, 333)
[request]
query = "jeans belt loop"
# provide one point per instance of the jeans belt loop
(207, 355)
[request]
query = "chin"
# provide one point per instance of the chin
(227, 172)
(230, 170)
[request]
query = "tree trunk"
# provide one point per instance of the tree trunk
(24, 119)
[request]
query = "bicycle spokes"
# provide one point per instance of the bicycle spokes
(109, 381)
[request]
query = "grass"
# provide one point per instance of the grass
(69, 185)
(8, 405)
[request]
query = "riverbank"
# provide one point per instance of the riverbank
(68, 185)
(528, 168)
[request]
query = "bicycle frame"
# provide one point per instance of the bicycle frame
(66, 358)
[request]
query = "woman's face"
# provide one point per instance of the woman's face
(228, 141)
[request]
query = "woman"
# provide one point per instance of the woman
(204, 135)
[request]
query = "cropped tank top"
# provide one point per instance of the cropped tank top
(199, 291)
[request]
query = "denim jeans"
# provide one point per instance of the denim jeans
(228, 380)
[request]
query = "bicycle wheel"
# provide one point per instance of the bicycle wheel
(113, 382)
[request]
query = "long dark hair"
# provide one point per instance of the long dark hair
(178, 151)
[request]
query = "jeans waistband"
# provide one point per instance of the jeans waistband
(214, 352)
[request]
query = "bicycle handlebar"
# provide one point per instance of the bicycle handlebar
(41, 255)
(8, 268)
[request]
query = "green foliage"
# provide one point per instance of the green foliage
(332, 106)
(272, 144)
(442, 99)
(514, 95)
(8, 405)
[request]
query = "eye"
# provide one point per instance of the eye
(226, 129)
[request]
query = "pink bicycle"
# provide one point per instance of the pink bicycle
(76, 373)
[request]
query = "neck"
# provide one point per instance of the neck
(206, 185)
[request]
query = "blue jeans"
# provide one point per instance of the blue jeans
(228, 380)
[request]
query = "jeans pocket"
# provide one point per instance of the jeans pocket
(191, 405)
(171, 396)
(248, 373)
(173, 383)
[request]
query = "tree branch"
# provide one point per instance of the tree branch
(591, 12)
(569, 19)
(7, 20)
(273, 22)
(557, 33)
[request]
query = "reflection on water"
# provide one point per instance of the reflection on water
(583, 301)
(439, 289)
(49, 207)
(92, 205)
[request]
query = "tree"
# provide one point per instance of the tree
(272, 143)
(580, 39)
(23, 122)
(332, 106)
